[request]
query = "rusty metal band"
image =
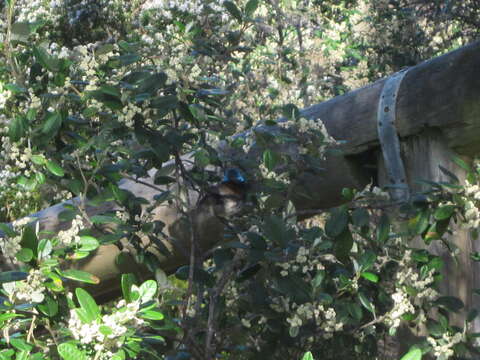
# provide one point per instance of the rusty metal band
(388, 136)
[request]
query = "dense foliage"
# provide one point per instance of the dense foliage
(95, 91)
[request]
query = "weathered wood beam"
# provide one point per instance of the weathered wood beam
(440, 93)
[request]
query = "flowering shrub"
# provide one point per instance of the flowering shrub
(92, 92)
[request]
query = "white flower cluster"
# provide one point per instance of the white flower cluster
(9, 246)
(372, 193)
(11, 152)
(401, 306)
(129, 112)
(268, 174)
(408, 277)
(443, 347)
(309, 127)
(472, 214)
(4, 96)
(325, 318)
(62, 195)
(35, 10)
(301, 262)
(29, 290)
(118, 322)
(194, 7)
(70, 236)
(14, 162)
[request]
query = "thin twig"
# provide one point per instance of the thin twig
(128, 177)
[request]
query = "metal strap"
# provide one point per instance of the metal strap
(387, 134)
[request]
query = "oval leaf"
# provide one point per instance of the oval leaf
(70, 352)
(413, 354)
(88, 304)
(370, 276)
(233, 10)
(444, 212)
(82, 276)
(54, 168)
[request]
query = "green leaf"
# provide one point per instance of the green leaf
(88, 304)
(450, 303)
(38, 159)
(44, 59)
(119, 355)
(355, 311)
(270, 159)
(413, 354)
(148, 290)
(436, 230)
(45, 247)
(435, 328)
(383, 229)
(318, 279)
(233, 10)
(29, 239)
(20, 344)
(449, 174)
(88, 243)
(274, 229)
(17, 128)
(337, 222)
(444, 212)
(307, 356)
(367, 259)
(24, 255)
(164, 104)
(360, 217)
(152, 83)
(7, 230)
(251, 7)
(366, 303)
(151, 315)
(9, 276)
(110, 90)
(54, 168)
(49, 307)
(127, 281)
(52, 123)
(82, 315)
(105, 330)
(460, 162)
(79, 275)
(421, 222)
(343, 245)
(22, 355)
(69, 351)
(16, 89)
(128, 59)
(370, 276)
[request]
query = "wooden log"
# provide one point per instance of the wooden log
(439, 93)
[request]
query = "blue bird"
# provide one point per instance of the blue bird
(234, 176)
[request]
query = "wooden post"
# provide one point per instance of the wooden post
(422, 155)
